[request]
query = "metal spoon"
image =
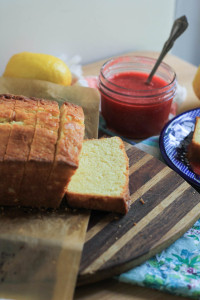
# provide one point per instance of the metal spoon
(178, 28)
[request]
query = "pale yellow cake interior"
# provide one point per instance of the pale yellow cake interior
(196, 137)
(102, 168)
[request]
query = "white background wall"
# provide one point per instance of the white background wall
(94, 29)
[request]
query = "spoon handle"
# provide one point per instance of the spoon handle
(178, 28)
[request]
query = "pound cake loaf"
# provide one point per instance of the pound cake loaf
(30, 130)
(101, 181)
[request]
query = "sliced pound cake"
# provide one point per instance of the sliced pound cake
(68, 148)
(41, 155)
(17, 148)
(36, 136)
(101, 181)
(6, 118)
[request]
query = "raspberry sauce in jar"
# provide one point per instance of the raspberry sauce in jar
(131, 107)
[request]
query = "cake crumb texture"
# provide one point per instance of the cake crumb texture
(101, 180)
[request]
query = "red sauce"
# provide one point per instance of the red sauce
(137, 81)
(131, 112)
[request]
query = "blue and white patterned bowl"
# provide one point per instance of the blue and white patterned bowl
(170, 141)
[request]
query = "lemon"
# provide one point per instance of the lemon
(38, 66)
(196, 83)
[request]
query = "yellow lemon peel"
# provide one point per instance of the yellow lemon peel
(196, 83)
(38, 66)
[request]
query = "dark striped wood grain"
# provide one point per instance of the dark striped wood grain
(117, 243)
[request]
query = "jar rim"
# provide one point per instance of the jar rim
(161, 89)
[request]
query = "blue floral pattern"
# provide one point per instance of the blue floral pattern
(175, 270)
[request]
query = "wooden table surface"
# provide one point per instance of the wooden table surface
(111, 289)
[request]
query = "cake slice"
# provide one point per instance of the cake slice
(102, 178)
(41, 156)
(18, 147)
(6, 116)
(68, 148)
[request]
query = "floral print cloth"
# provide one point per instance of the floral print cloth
(177, 268)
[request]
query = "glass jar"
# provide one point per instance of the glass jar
(132, 111)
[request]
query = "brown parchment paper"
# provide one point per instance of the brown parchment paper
(87, 98)
(40, 251)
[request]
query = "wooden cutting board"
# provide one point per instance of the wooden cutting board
(40, 251)
(164, 207)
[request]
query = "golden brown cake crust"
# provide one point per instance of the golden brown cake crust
(68, 148)
(4, 136)
(94, 202)
(6, 116)
(41, 156)
(31, 135)
(18, 147)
